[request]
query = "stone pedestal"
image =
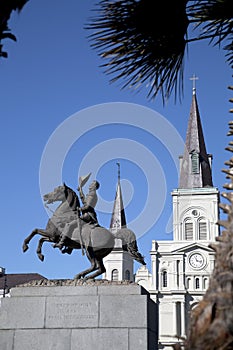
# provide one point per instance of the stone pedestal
(59, 315)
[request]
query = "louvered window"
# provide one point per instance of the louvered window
(188, 228)
(202, 225)
(115, 275)
(195, 162)
(197, 283)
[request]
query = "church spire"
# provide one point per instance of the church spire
(194, 78)
(118, 219)
(195, 167)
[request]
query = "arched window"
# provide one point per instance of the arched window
(188, 230)
(127, 275)
(164, 278)
(206, 282)
(115, 275)
(202, 229)
(188, 283)
(178, 272)
(197, 283)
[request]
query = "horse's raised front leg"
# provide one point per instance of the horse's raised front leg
(39, 247)
(27, 240)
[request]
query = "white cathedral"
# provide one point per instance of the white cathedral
(180, 268)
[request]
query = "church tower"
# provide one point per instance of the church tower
(195, 202)
(119, 264)
(181, 268)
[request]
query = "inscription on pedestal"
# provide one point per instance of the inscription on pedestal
(72, 312)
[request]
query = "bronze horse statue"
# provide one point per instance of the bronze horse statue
(97, 241)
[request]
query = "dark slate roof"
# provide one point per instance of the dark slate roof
(118, 219)
(14, 279)
(195, 142)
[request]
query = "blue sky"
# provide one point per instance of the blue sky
(52, 90)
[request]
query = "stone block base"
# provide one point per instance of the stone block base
(96, 315)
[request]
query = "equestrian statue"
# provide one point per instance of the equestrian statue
(76, 227)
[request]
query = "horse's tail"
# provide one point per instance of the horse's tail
(129, 243)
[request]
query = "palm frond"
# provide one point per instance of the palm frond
(143, 42)
(215, 20)
(139, 44)
(229, 54)
(6, 8)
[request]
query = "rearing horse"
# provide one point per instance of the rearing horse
(97, 241)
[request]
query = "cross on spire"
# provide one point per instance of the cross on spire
(119, 171)
(194, 78)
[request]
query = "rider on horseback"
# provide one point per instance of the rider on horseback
(89, 203)
(88, 213)
(97, 241)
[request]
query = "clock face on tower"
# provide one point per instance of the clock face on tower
(196, 260)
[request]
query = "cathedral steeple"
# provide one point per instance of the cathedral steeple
(119, 263)
(195, 201)
(118, 219)
(181, 267)
(195, 167)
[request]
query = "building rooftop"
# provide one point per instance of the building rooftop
(11, 280)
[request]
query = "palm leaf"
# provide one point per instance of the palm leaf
(229, 54)
(6, 8)
(144, 43)
(138, 44)
(214, 18)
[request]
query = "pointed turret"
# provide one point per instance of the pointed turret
(118, 219)
(119, 263)
(195, 167)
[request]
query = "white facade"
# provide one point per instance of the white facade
(119, 265)
(195, 214)
(181, 268)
